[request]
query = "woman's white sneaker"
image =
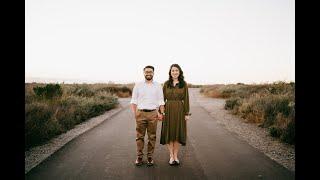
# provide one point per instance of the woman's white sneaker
(171, 161)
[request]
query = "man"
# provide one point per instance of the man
(147, 98)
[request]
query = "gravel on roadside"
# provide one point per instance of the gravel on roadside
(256, 136)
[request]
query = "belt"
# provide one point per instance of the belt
(147, 110)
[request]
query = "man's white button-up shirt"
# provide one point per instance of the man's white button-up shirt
(147, 95)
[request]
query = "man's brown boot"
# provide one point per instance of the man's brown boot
(150, 161)
(139, 161)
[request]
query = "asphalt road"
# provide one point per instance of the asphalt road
(108, 152)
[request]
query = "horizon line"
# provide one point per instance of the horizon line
(83, 81)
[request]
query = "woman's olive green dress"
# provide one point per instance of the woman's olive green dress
(174, 127)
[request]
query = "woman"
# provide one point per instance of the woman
(174, 129)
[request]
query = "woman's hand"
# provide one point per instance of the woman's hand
(160, 117)
(187, 117)
(136, 114)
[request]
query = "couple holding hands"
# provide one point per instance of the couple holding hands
(151, 103)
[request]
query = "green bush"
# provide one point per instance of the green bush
(65, 116)
(275, 132)
(289, 134)
(109, 89)
(286, 135)
(46, 118)
(49, 91)
(268, 105)
(39, 124)
(231, 103)
(274, 105)
(227, 93)
(194, 86)
(125, 89)
(29, 97)
(83, 90)
(115, 90)
(281, 88)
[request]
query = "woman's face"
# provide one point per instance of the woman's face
(175, 72)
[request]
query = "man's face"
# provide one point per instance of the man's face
(148, 73)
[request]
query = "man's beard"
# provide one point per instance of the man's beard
(148, 77)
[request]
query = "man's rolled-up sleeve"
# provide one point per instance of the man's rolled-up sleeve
(134, 98)
(160, 96)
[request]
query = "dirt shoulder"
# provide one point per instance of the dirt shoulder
(257, 137)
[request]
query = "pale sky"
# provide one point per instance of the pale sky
(214, 41)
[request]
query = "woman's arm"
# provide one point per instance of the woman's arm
(186, 100)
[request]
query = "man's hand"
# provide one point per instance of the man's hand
(187, 117)
(134, 110)
(136, 114)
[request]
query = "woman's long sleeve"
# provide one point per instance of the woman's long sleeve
(164, 92)
(186, 100)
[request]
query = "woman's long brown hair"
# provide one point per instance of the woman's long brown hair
(180, 78)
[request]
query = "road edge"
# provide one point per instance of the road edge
(36, 155)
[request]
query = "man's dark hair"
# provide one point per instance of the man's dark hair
(149, 67)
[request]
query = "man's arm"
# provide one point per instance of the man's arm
(134, 100)
(134, 109)
(161, 103)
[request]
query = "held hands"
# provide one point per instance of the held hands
(136, 115)
(160, 117)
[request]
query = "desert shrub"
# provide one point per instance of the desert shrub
(274, 105)
(49, 91)
(288, 135)
(275, 132)
(213, 91)
(245, 91)
(65, 116)
(280, 88)
(268, 105)
(39, 124)
(227, 93)
(125, 89)
(232, 103)
(85, 107)
(83, 90)
(109, 89)
(250, 113)
(46, 118)
(123, 94)
(285, 130)
(65, 113)
(194, 85)
(30, 96)
(122, 91)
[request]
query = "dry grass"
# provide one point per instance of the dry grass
(268, 105)
(48, 116)
(213, 91)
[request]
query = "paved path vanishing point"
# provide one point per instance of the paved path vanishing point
(108, 152)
